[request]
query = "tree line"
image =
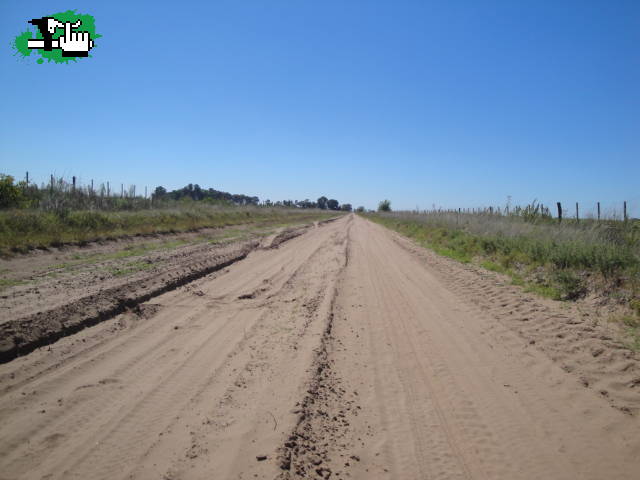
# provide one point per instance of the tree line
(197, 193)
(60, 194)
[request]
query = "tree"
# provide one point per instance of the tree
(306, 203)
(10, 194)
(322, 203)
(346, 207)
(384, 206)
(333, 204)
(159, 192)
(360, 209)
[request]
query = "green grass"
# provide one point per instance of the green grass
(21, 230)
(547, 291)
(129, 268)
(494, 267)
(7, 282)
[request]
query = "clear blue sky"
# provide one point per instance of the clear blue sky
(452, 103)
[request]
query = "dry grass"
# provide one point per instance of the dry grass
(21, 230)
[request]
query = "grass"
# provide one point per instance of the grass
(22, 230)
(631, 323)
(560, 261)
(7, 282)
(129, 268)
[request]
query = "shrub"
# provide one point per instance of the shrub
(571, 286)
(10, 194)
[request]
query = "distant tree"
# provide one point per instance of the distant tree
(211, 195)
(333, 204)
(346, 207)
(10, 194)
(384, 206)
(197, 193)
(322, 203)
(159, 193)
(360, 209)
(306, 203)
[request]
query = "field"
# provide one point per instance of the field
(317, 349)
(25, 229)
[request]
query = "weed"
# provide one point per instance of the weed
(569, 285)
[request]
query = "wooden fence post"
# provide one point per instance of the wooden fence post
(559, 212)
(73, 183)
(122, 190)
(577, 213)
(92, 186)
(598, 211)
(624, 210)
(108, 191)
(27, 179)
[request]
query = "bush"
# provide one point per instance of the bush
(571, 286)
(10, 194)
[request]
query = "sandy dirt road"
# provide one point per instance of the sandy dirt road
(340, 354)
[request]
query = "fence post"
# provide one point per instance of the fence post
(92, 186)
(73, 182)
(624, 210)
(108, 191)
(559, 212)
(577, 213)
(491, 210)
(27, 179)
(122, 190)
(598, 211)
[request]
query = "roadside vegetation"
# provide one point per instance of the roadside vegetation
(62, 212)
(565, 260)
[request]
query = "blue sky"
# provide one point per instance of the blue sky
(452, 103)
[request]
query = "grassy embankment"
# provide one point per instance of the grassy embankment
(21, 230)
(562, 261)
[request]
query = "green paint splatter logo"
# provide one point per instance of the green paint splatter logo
(59, 37)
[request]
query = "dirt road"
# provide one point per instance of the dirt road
(344, 353)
